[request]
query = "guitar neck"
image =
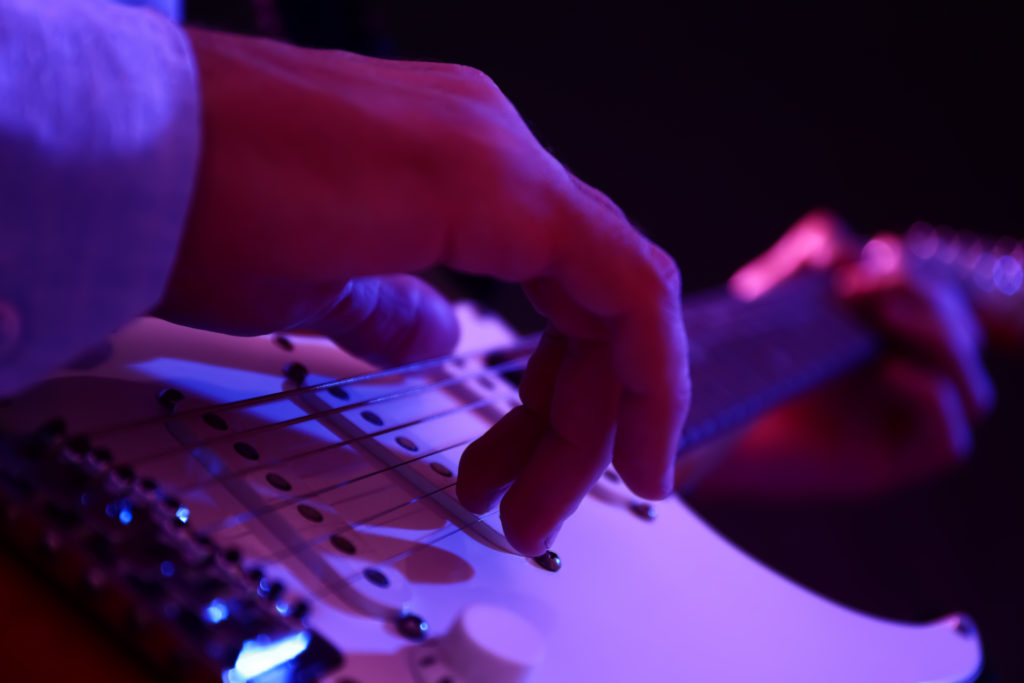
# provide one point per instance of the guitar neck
(748, 356)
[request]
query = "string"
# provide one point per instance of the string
(395, 559)
(289, 551)
(523, 344)
(453, 381)
(284, 502)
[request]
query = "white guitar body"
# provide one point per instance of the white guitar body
(666, 599)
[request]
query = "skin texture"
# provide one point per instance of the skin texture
(905, 418)
(326, 175)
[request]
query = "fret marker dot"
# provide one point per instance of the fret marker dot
(278, 482)
(372, 417)
(338, 392)
(310, 513)
(296, 372)
(407, 443)
(376, 578)
(343, 544)
(246, 451)
(440, 469)
(215, 421)
(169, 398)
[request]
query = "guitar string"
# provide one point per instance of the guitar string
(280, 504)
(288, 459)
(417, 545)
(347, 527)
(241, 474)
(428, 541)
(456, 381)
(524, 344)
(439, 536)
(514, 364)
(288, 501)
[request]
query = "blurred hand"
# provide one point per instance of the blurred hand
(326, 175)
(905, 418)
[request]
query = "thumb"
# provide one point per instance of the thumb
(389, 320)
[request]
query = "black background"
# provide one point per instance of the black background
(717, 124)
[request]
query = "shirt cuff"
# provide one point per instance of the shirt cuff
(99, 145)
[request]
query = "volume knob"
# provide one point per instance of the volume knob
(493, 644)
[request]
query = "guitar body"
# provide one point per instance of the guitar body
(354, 515)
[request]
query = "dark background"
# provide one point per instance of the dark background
(715, 125)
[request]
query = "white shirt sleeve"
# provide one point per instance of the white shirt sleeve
(99, 144)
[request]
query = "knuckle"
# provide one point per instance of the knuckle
(664, 270)
(475, 80)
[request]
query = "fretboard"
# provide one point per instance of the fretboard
(746, 357)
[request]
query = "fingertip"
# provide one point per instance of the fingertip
(530, 534)
(476, 501)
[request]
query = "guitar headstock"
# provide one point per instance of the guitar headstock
(991, 271)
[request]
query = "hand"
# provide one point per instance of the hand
(907, 417)
(324, 174)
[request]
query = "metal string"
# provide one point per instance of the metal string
(458, 380)
(523, 344)
(288, 501)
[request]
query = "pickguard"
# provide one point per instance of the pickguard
(345, 497)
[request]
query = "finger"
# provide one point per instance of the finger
(389, 320)
(819, 239)
(490, 464)
(929, 326)
(573, 452)
(926, 316)
(645, 458)
(619, 278)
(641, 306)
(934, 426)
(651, 476)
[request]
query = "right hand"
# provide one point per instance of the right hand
(323, 174)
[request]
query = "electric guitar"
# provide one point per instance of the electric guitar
(238, 513)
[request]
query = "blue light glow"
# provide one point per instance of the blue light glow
(167, 568)
(216, 612)
(182, 514)
(260, 655)
(121, 509)
(281, 607)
